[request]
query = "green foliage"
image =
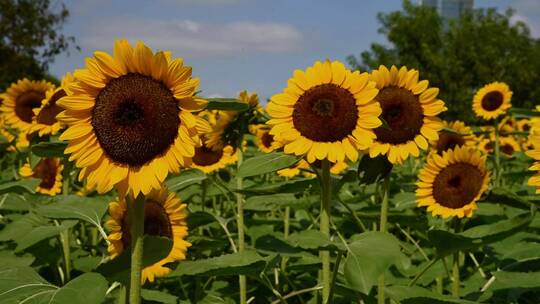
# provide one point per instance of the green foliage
(30, 38)
(459, 56)
(266, 163)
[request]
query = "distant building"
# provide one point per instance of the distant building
(449, 9)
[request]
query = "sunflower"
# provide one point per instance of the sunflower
(44, 122)
(507, 145)
(492, 101)
(524, 125)
(451, 184)
(326, 112)
(461, 136)
(130, 118)
(410, 109)
(225, 122)
(264, 140)
(21, 99)
(164, 215)
(507, 125)
(49, 171)
(534, 139)
(209, 160)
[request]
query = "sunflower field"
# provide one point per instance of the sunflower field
(124, 185)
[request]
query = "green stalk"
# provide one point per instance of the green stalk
(64, 235)
(382, 228)
(455, 276)
(324, 226)
(497, 154)
(286, 231)
(136, 220)
(240, 223)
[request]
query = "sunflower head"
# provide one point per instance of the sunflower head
(410, 109)
(209, 160)
(451, 184)
(524, 125)
(49, 172)
(492, 100)
(263, 139)
(534, 139)
(164, 215)
(44, 121)
(458, 135)
(326, 112)
(507, 145)
(130, 120)
(20, 100)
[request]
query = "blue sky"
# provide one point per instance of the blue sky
(234, 45)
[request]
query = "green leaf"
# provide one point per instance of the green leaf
(49, 149)
(271, 202)
(520, 112)
(7, 258)
(88, 209)
(370, 170)
(158, 296)
(370, 256)
(21, 227)
(21, 186)
(313, 240)
(118, 269)
(23, 284)
(507, 197)
(184, 179)
(226, 104)
(248, 262)
(266, 163)
(507, 280)
(418, 295)
(40, 233)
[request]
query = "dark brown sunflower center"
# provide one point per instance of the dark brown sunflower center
(267, 139)
(403, 113)
(457, 185)
(492, 101)
(526, 127)
(135, 119)
(156, 223)
(325, 113)
(448, 141)
(507, 149)
(47, 115)
(205, 156)
(46, 171)
(25, 104)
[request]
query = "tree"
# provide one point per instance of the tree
(30, 38)
(459, 56)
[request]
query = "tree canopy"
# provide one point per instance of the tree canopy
(30, 38)
(459, 56)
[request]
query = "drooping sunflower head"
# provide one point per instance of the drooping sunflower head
(410, 109)
(451, 184)
(209, 160)
(44, 122)
(130, 118)
(230, 125)
(20, 100)
(458, 135)
(492, 100)
(49, 172)
(326, 112)
(164, 216)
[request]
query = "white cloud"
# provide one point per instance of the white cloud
(527, 11)
(191, 38)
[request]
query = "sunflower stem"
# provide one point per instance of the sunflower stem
(455, 266)
(240, 223)
(324, 226)
(497, 154)
(286, 230)
(136, 220)
(382, 228)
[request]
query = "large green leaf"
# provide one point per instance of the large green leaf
(266, 163)
(40, 233)
(418, 295)
(88, 209)
(21, 186)
(226, 104)
(49, 149)
(158, 296)
(272, 201)
(184, 179)
(507, 280)
(21, 227)
(22, 284)
(507, 197)
(248, 262)
(371, 255)
(7, 258)
(118, 269)
(313, 240)
(521, 112)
